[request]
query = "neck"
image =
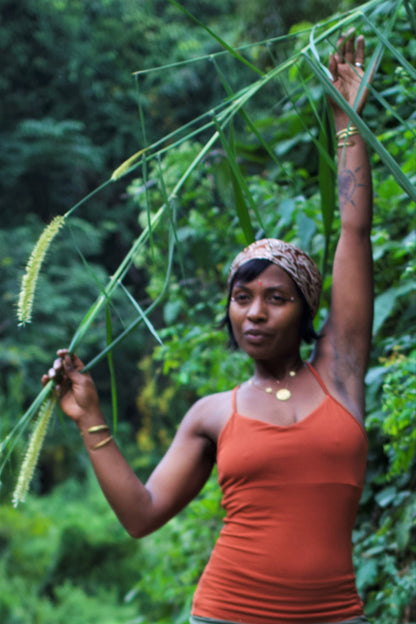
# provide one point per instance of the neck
(266, 371)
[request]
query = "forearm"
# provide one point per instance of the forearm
(354, 180)
(126, 494)
(352, 284)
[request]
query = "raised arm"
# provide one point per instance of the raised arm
(141, 508)
(346, 337)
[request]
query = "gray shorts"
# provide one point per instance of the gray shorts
(195, 619)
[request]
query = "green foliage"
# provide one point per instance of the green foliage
(384, 553)
(399, 404)
(64, 131)
(80, 565)
(57, 566)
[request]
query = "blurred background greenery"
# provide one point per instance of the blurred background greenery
(71, 108)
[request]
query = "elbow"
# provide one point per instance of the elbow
(137, 517)
(141, 519)
(137, 532)
(140, 529)
(134, 529)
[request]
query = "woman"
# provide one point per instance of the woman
(289, 443)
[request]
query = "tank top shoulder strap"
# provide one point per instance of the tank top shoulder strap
(317, 377)
(234, 400)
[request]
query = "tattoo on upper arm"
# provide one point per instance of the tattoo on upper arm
(347, 186)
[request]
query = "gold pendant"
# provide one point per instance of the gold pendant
(283, 394)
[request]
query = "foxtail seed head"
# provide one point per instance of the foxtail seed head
(29, 280)
(33, 450)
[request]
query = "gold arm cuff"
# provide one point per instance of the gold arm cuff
(97, 428)
(102, 443)
(346, 132)
(346, 144)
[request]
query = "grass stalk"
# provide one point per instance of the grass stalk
(110, 360)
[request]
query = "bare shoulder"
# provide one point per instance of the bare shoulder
(208, 415)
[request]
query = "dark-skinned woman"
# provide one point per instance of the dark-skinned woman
(289, 442)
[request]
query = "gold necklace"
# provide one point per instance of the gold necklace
(283, 394)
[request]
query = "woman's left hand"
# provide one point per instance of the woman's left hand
(347, 69)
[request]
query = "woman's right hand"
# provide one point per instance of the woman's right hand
(347, 68)
(77, 393)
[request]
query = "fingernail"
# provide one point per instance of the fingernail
(51, 373)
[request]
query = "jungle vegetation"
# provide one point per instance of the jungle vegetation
(153, 139)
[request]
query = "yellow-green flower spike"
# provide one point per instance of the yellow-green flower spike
(125, 166)
(28, 287)
(33, 450)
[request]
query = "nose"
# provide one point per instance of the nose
(257, 310)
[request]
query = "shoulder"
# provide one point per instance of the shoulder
(208, 415)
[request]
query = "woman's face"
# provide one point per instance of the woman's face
(265, 315)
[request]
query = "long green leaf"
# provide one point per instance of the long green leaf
(394, 51)
(110, 360)
(327, 183)
(242, 212)
(142, 315)
(171, 204)
(241, 189)
(410, 14)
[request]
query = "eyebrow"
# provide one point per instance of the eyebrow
(278, 288)
(246, 286)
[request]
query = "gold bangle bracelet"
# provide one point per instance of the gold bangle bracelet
(347, 132)
(346, 144)
(102, 443)
(97, 428)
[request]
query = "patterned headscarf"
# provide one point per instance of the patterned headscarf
(301, 268)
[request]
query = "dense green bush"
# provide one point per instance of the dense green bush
(65, 557)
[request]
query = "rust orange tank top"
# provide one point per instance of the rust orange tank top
(284, 554)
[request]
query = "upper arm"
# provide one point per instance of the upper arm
(351, 312)
(182, 472)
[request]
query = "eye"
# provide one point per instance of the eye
(241, 298)
(277, 298)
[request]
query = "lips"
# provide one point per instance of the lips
(255, 335)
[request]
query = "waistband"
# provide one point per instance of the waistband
(196, 619)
